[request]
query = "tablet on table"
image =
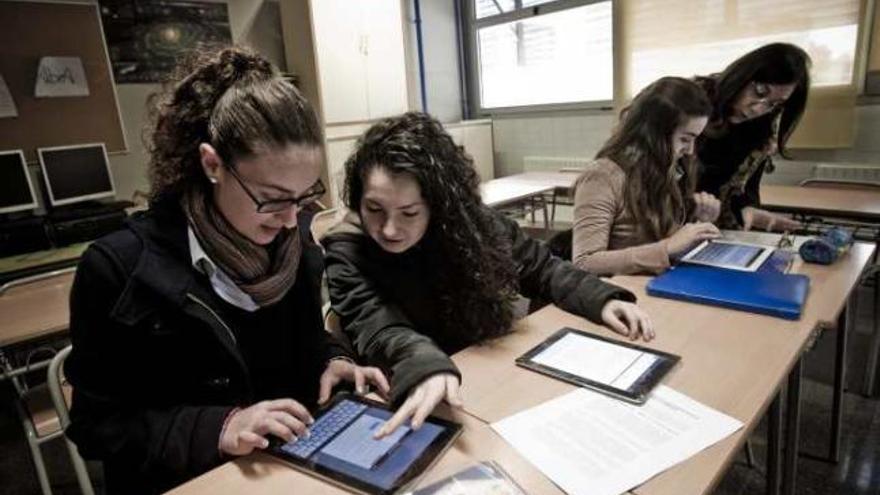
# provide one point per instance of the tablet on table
(619, 369)
(341, 448)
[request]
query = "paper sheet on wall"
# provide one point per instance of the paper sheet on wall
(61, 76)
(591, 444)
(7, 104)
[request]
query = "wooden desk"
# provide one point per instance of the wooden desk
(853, 204)
(262, 474)
(503, 192)
(732, 361)
(500, 192)
(562, 182)
(35, 310)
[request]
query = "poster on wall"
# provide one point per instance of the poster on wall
(146, 38)
(58, 77)
(7, 104)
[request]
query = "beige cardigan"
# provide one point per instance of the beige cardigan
(604, 237)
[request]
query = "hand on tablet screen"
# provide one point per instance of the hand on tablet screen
(248, 429)
(688, 236)
(423, 398)
(627, 319)
(343, 369)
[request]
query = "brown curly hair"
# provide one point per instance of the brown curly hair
(474, 273)
(231, 98)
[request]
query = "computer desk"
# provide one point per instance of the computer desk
(263, 474)
(732, 361)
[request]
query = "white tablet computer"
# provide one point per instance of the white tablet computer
(341, 448)
(729, 254)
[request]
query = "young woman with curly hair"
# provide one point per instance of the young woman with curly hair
(420, 268)
(636, 206)
(197, 329)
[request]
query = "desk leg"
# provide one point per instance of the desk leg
(546, 215)
(874, 350)
(774, 446)
(792, 429)
(839, 380)
(553, 208)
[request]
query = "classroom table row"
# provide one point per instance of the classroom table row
(732, 361)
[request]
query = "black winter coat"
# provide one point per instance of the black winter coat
(158, 361)
(390, 313)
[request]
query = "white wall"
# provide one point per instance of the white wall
(440, 50)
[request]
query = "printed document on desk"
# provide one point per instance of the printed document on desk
(590, 444)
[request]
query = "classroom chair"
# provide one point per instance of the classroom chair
(39, 420)
(60, 392)
(323, 220)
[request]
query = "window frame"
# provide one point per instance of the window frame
(472, 25)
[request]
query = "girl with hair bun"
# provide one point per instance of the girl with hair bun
(197, 330)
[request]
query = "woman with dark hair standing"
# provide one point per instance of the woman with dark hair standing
(757, 102)
(635, 206)
(197, 330)
(420, 268)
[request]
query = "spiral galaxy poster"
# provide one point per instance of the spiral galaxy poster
(146, 38)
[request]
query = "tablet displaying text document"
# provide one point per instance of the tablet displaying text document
(621, 369)
(591, 444)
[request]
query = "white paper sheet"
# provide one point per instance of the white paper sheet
(591, 444)
(7, 104)
(596, 360)
(61, 76)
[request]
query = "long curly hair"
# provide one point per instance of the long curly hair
(474, 271)
(228, 97)
(642, 146)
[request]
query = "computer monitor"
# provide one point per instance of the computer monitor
(16, 189)
(76, 173)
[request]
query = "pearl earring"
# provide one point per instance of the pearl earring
(212, 180)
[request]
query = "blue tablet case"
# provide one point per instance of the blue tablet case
(766, 291)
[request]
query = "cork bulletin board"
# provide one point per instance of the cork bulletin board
(32, 30)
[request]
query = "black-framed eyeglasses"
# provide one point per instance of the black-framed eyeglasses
(761, 96)
(275, 205)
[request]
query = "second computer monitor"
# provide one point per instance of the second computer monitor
(76, 173)
(16, 189)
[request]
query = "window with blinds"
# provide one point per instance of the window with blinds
(527, 57)
(689, 37)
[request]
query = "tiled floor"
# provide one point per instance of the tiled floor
(858, 472)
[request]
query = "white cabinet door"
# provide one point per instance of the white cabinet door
(340, 44)
(385, 61)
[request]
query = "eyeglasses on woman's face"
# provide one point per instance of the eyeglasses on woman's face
(277, 205)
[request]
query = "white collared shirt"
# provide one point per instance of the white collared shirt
(221, 283)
